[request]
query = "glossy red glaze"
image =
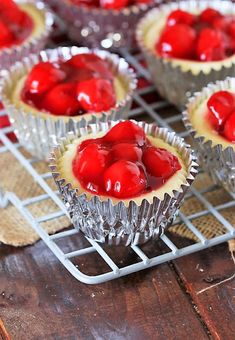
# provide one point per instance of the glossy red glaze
(81, 84)
(123, 163)
(209, 36)
(15, 24)
(109, 4)
(221, 108)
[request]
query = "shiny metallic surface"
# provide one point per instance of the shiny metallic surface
(217, 160)
(36, 133)
(120, 224)
(97, 27)
(8, 56)
(174, 84)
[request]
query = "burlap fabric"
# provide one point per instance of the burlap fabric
(14, 229)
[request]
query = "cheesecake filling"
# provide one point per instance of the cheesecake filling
(123, 164)
(194, 41)
(83, 84)
(215, 118)
(19, 23)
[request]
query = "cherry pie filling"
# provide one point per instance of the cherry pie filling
(15, 24)
(123, 163)
(221, 114)
(209, 36)
(82, 84)
(109, 4)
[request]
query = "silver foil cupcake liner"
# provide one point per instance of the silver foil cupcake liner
(120, 223)
(216, 159)
(97, 27)
(38, 132)
(8, 56)
(173, 83)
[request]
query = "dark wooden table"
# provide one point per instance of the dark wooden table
(39, 299)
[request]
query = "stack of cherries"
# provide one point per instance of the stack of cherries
(221, 114)
(209, 36)
(15, 24)
(82, 84)
(123, 163)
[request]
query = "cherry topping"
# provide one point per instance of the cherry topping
(91, 62)
(180, 17)
(126, 132)
(81, 84)
(6, 36)
(124, 179)
(229, 128)
(209, 15)
(177, 41)
(210, 45)
(91, 162)
(43, 77)
(113, 4)
(96, 95)
(160, 163)
(128, 151)
(220, 105)
(122, 163)
(61, 100)
(209, 36)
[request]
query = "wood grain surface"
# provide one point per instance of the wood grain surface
(39, 299)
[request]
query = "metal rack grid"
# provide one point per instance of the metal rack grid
(146, 102)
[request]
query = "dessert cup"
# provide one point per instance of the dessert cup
(128, 221)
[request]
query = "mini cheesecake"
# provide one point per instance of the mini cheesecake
(123, 182)
(63, 89)
(188, 43)
(210, 118)
(24, 27)
(214, 119)
(155, 167)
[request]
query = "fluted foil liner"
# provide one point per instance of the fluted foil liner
(173, 83)
(119, 224)
(97, 27)
(8, 56)
(217, 160)
(37, 133)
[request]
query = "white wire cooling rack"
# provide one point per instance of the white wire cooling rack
(147, 103)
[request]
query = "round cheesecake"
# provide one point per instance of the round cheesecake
(173, 183)
(153, 32)
(120, 89)
(200, 123)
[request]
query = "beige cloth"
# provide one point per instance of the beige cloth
(14, 229)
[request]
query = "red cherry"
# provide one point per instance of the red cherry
(90, 164)
(130, 152)
(180, 17)
(61, 100)
(113, 4)
(221, 23)
(208, 15)
(98, 141)
(6, 36)
(43, 77)
(93, 63)
(126, 132)
(11, 13)
(5, 122)
(229, 128)
(160, 163)
(124, 179)
(96, 95)
(177, 41)
(220, 105)
(143, 1)
(210, 45)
